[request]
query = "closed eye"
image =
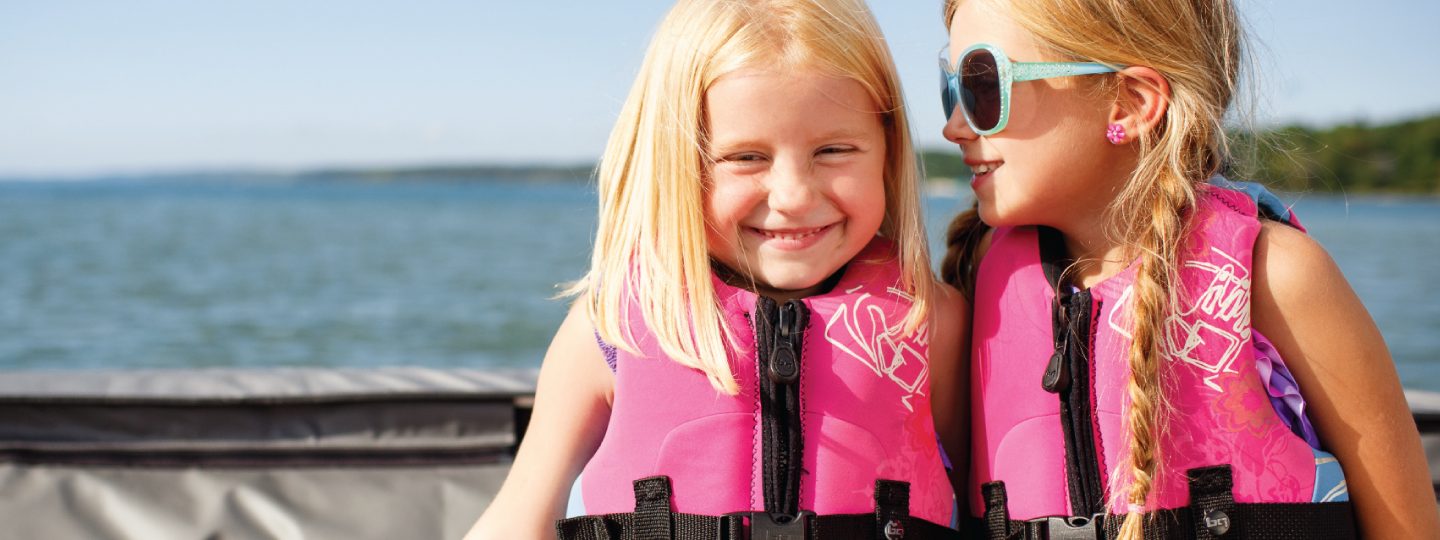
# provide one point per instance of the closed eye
(836, 151)
(744, 157)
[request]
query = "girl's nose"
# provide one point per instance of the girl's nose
(791, 188)
(957, 129)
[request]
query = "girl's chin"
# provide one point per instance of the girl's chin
(994, 218)
(987, 214)
(790, 286)
(780, 285)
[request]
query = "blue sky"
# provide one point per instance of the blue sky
(92, 87)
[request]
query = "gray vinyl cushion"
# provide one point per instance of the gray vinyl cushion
(237, 454)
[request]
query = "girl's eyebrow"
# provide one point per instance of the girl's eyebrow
(843, 133)
(727, 146)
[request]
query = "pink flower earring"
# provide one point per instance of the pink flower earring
(1115, 134)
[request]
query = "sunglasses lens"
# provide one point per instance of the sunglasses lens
(949, 86)
(980, 89)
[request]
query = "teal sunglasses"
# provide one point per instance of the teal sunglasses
(981, 84)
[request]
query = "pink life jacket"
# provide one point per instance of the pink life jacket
(1049, 387)
(863, 408)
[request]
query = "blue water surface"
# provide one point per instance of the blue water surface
(246, 272)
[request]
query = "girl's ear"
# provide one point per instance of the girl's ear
(1141, 101)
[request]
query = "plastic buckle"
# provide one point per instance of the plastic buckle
(723, 531)
(1072, 527)
(767, 526)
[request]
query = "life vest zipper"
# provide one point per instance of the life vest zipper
(780, 336)
(1077, 412)
(1068, 374)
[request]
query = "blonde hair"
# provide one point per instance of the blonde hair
(1196, 46)
(650, 250)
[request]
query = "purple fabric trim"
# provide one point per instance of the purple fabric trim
(608, 350)
(944, 458)
(1284, 391)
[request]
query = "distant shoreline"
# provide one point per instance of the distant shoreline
(1354, 158)
(547, 173)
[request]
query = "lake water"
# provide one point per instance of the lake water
(131, 274)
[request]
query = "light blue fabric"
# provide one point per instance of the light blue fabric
(576, 506)
(1329, 479)
(1270, 205)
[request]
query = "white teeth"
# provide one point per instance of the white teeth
(985, 168)
(793, 235)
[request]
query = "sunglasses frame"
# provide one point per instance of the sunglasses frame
(1008, 73)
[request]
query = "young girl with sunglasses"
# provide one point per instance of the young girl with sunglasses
(1142, 327)
(761, 298)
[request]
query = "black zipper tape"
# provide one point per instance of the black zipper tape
(1068, 374)
(780, 336)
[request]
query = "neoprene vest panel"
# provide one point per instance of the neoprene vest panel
(1049, 377)
(827, 379)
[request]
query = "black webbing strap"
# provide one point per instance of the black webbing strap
(1211, 503)
(653, 520)
(1212, 514)
(1277, 521)
(652, 509)
(892, 509)
(1263, 521)
(622, 527)
(862, 527)
(593, 527)
(996, 524)
(734, 527)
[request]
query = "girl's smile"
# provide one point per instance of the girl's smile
(791, 239)
(981, 170)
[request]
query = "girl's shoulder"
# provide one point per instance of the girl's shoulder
(950, 306)
(1291, 266)
(1300, 299)
(577, 346)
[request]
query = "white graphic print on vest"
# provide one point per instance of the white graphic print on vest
(1225, 299)
(1220, 316)
(1119, 318)
(887, 353)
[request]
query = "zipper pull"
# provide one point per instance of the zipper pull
(784, 369)
(787, 320)
(1057, 376)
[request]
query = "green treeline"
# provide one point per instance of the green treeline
(1396, 158)
(1403, 157)
(1400, 158)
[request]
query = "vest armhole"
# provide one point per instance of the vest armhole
(607, 350)
(1283, 390)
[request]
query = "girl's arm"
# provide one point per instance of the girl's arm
(950, 381)
(572, 409)
(1317, 323)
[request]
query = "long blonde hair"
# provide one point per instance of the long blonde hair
(650, 248)
(1196, 46)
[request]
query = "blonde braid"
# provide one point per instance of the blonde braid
(1152, 297)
